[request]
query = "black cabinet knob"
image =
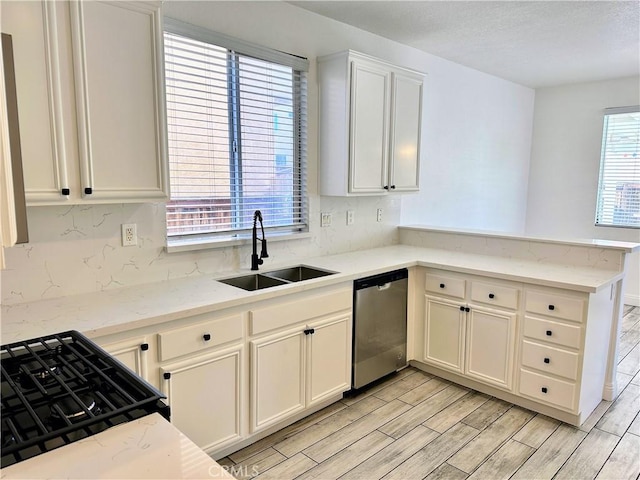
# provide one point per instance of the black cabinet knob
(491, 295)
(144, 347)
(393, 187)
(88, 190)
(462, 309)
(552, 307)
(65, 191)
(307, 331)
(467, 309)
(386, 187)
(206, 337)
(313, 330)
(442, 285)
(547, 359)
(549, 333)
(166, 375)
(544, 389)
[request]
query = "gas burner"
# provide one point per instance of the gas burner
(33, 370)
(69, 409)
(60, 388)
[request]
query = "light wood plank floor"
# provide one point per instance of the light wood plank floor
(415, 426)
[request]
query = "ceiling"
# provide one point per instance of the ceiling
(533, 43)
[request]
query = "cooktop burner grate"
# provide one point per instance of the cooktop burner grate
(61, 388)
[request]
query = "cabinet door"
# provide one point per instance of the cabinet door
(204, 394)
(444, 334)
(133, 353)
(117, 50)
(405, 133)
(490, 346)
(369, 127)
(329, 365)
(34, 28)
(277, 377)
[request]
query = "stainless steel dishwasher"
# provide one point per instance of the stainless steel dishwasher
(379, 326)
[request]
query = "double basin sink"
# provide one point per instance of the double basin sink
(258, 281)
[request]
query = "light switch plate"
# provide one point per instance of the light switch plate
(325, 220)
(379, 215)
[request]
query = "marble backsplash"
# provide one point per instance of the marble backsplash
(77, 248)
(541, 251)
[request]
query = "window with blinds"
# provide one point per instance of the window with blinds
(619, 184)
(236, 134)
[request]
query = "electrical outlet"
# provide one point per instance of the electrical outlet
(129, 234)
(350, 217)
(379, 217)
(325, 220)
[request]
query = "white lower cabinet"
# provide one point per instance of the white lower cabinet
(444, 334)
(470, 340)
(205, 394)
(297, 368)
(277, 377)
(134, 353)
(490, 346)
(229, 375)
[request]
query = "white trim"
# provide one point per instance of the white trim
(631, 299)
(208, 242)
(199, 33)
(617, 110)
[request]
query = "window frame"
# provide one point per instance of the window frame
(300, 64)
(600, 195)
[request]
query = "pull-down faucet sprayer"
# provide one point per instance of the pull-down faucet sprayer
(255, 260)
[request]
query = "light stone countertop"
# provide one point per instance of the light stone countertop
(117, 310)
(147, 448)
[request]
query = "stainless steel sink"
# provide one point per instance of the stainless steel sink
(258, 281)
(253, 282)
(298, 273)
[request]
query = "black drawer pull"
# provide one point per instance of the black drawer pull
(491, 295)
(88, 191)
(166, 375)
(442, 285)
(206, 337)
(552, 307)
(547, 359)
(144, 347)
(544, 389)
(65, 191)
(549, 333)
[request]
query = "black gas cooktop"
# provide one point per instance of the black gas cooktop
(61, 388)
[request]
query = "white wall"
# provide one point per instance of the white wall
(565, 162)
(476, 149)
(475, 144)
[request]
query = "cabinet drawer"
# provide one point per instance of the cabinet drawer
(547, 389)
(492, 294)
(194, 338)
(549, 359)
(444, 285)
(559, 306)
(552, 332)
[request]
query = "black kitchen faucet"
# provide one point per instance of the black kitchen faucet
(255, 260)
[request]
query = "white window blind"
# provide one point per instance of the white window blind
(237, 139)
(619, 184)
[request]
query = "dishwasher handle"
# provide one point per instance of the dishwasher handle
(380, 280)
(386, 286)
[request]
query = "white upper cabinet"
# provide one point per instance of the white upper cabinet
(370, 124)
(90, 100)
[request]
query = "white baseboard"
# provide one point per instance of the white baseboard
(632, 300)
